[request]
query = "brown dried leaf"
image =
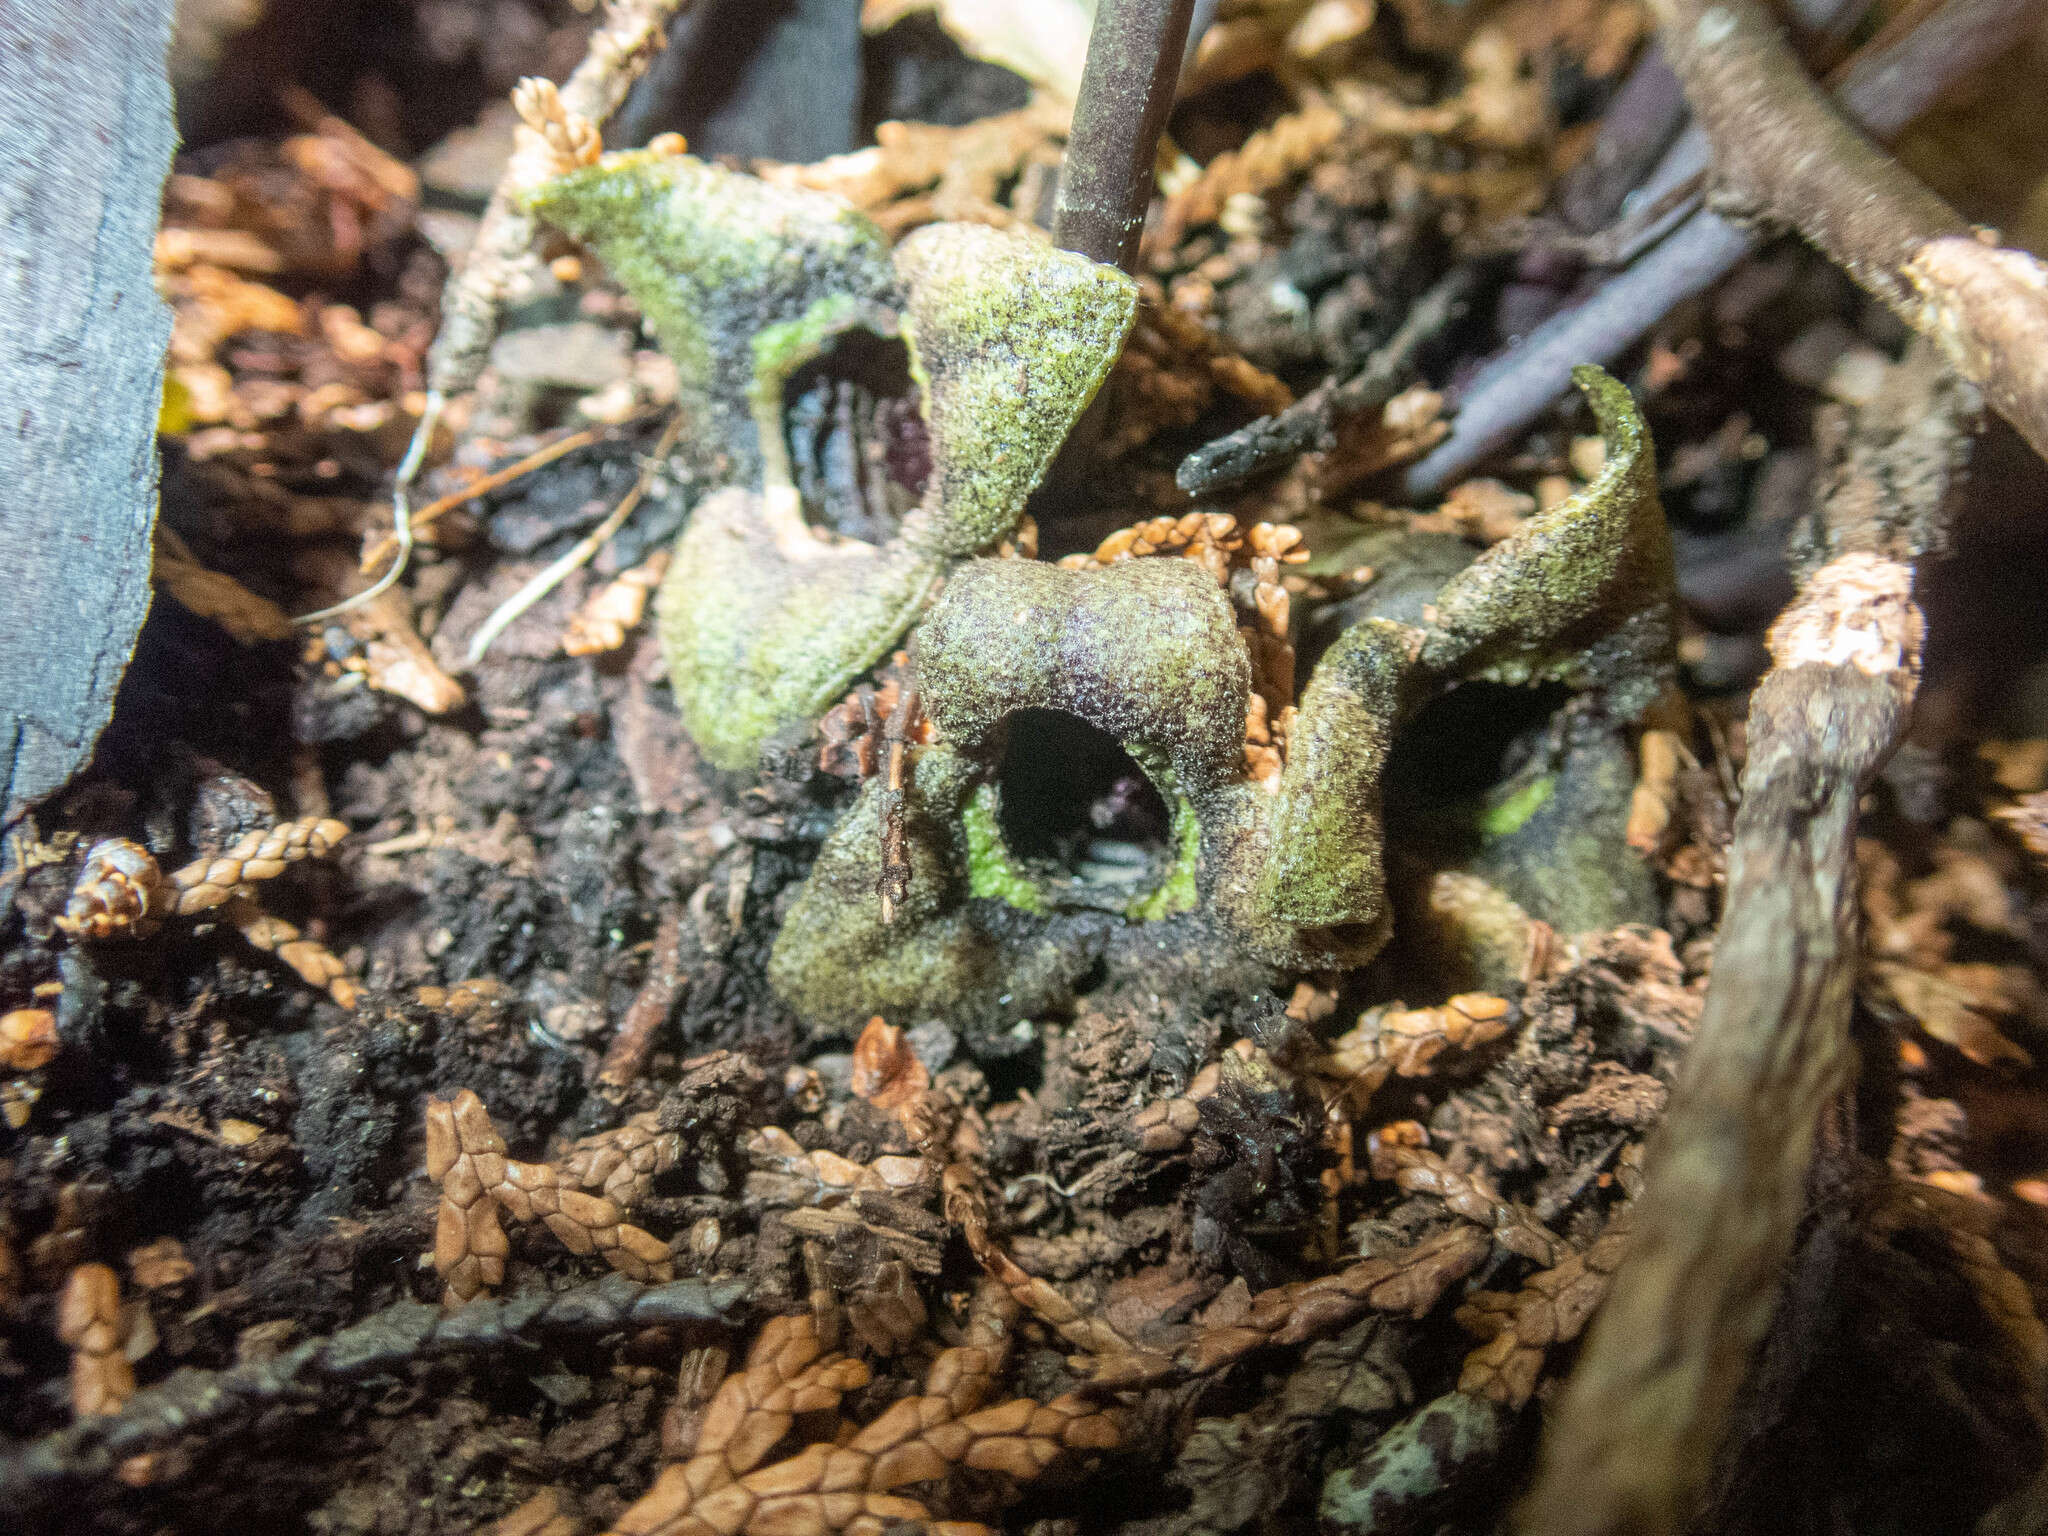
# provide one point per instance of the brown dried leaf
(28, 1039)
(886, 1071)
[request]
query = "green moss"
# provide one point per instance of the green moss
(1010, 339)
(1178, 891)
(990, 869)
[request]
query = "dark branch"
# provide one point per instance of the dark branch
(190, 1400)
(1311, 421)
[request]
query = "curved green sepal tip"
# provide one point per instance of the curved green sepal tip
(1582, 592)
(1010, 340)
(1324, 869)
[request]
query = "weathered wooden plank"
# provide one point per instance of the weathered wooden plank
(85, 121)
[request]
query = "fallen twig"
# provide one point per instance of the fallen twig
(1312, 420)
(581, 553)
(193, 1401)
(1633, 1443)
(649, 1010)
(496, 480)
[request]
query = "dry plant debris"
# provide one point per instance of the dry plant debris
(258, 856)
(1914, 930)
(315, 963)
(2028, 818)
(1407, 1042)
(28, 1039)
(1172, 371)
(886, 1071)
(89, 1319)
(919, 173)
(1552, 1308)
(824, 1175)
(1411, 1282)
(845, 1486)
(479, 1184)
(1165, 1125)
(615, 609)
(1420, 1171)
(121, 890)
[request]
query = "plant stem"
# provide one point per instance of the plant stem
(1134, 57)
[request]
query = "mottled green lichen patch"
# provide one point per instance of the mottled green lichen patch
(715, 259)
(1417, 1472)
(1010, 340)
(1581, 594)
(765, 622)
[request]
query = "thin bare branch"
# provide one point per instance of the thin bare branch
(1882, 88)
(1794, 158)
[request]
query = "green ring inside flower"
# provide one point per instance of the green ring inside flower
(1070, 817)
